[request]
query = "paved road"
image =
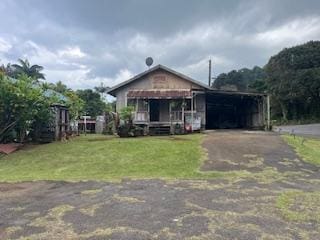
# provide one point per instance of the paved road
(241, 206)
(312, 130)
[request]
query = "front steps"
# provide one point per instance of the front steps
(159, 130)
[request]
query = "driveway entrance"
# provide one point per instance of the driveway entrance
(250, 150)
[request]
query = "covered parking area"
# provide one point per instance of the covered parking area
(236, 110)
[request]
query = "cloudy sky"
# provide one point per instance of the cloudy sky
(86, 42)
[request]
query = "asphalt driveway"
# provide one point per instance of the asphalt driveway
(311, 130)
(243, 206)
(252, 151)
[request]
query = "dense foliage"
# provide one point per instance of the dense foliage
(21, 103)
(71, 99)
(291, 77)
(294, 82)
(242, 80)
(23, 68)
(25, 101)
(93, 103)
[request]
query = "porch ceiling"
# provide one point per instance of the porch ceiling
(160, 93)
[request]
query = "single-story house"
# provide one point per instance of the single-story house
(166, 101)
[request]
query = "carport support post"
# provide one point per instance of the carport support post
(268, 112)
(192, 112)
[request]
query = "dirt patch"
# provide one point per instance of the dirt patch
(9, 190)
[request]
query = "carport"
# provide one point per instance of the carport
(232, 110)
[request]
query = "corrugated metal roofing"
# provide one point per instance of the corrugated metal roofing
(160, 93)
(112, 90)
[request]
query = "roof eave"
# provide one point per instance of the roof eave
(113, 89)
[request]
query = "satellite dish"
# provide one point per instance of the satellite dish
(149, 61)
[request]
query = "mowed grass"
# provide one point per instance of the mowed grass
(300, 206)
(308, 149)
(98, 157)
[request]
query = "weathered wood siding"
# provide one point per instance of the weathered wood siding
(159, 79)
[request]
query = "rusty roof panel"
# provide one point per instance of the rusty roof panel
(161, 93)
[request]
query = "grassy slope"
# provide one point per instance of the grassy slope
(309, 150)
(101, 157)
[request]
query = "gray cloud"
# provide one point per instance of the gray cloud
(84, 42)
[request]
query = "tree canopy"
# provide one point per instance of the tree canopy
(242, 80)
(24, 67)
(294, 82)
(93, 104)
(291, 77)
(21, 103)
(25, 102)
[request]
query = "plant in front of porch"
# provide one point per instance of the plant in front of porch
(126, 127)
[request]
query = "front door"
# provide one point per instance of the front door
(154, 110)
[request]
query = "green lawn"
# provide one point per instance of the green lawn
(98, 157)
(300, 206)
(308, 149)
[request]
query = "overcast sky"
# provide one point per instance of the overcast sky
(86, 42)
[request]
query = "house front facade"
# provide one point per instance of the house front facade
(166, 101)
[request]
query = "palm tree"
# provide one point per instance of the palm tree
(60, 87)
(33, 71)
(7, 69)
(102, 89)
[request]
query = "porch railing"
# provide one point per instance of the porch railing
(141, 116)
(176, 116)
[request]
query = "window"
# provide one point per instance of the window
(131, 103)
(176, 105)
(187, 105)
(142, 104)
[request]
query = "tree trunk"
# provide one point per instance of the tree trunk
(7, 128)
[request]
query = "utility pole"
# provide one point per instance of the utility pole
(209, 82)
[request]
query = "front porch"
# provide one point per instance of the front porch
(165, 115)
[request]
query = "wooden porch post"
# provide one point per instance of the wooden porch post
(136, 110)
(148, 110)
(183, 102)
(170, 116)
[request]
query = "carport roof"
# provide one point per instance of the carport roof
(224, 92)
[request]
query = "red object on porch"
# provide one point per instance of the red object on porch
(9, 148)
(161, 93)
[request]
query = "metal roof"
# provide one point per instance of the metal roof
(224, 92)
(160, 93)
(112, 90)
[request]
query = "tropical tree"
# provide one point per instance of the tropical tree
(93, 104)
(32, 71)
(20, 104)
(70, 97)
(60, 87)
(243, 80)
(7, 70)
(74, 103)
(294, 81)
(102, 89)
